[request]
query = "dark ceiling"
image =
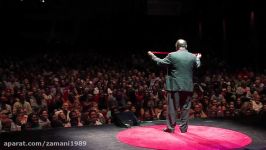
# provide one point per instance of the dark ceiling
(220, 26)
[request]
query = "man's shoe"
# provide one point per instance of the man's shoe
(183, 131)
(168, 130)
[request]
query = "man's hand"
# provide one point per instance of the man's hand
(150, 53)
(198, 55)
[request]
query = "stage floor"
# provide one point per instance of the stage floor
(104, 137)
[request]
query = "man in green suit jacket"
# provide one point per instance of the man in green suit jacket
(179, 83)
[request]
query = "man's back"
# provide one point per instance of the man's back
(180, 71)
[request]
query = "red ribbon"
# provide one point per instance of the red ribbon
(161, 52)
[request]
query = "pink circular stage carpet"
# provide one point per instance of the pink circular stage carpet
(197, 138)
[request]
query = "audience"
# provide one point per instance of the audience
(50, 91)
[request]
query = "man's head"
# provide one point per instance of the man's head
(44, 114)
(180, 43)
(34, 120)
(65, 106)
(93, 115)
(73, 115)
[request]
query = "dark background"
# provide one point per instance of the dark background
(234, 31)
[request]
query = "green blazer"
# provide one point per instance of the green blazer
(180, 66)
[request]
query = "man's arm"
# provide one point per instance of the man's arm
(164, 61)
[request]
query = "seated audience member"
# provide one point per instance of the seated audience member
(22, 105)
(55, 123)
(6, 124)
(74, 119)
(44, 121)
(33, 122)
(21, 121)
(147, 116)
(256, 103)
(212, 112)
(198, 112)
(60, 120)
(66, 111)
(6, 109)
(94, 118)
